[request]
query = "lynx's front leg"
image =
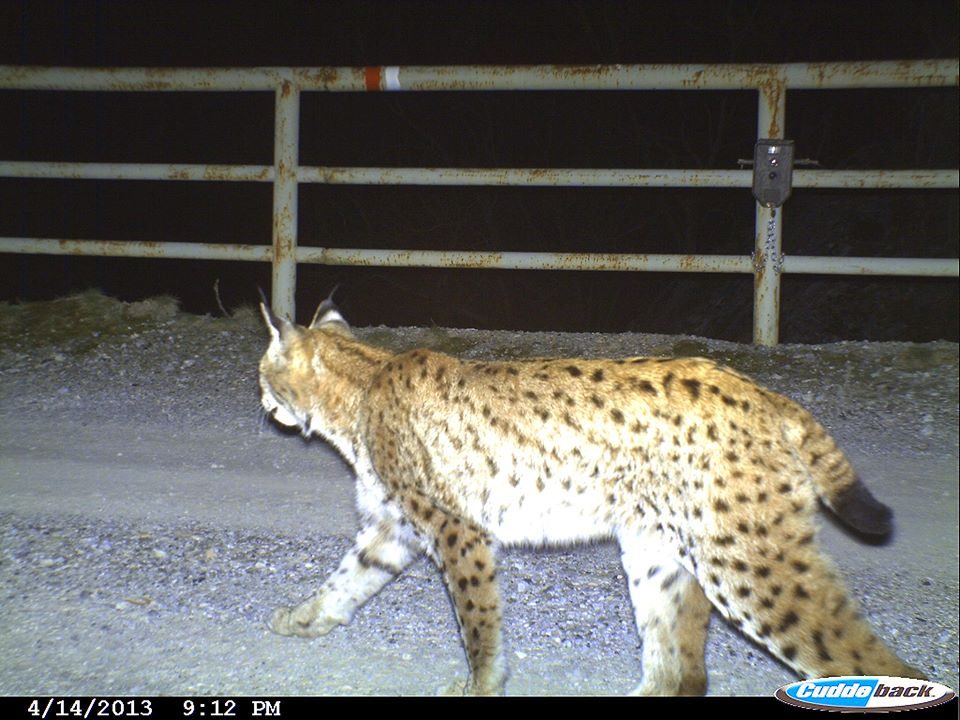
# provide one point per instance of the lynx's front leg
(466, 557)
(382, 551)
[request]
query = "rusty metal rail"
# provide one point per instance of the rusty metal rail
(766, 263)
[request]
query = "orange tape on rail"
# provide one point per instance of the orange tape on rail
(372, 79)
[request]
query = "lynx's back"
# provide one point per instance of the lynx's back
(707, 481)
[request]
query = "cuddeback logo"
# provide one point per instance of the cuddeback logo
(865, 694)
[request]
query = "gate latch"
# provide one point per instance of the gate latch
(772, 171)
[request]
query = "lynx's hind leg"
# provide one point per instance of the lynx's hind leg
(765, 572)
(381, 552)
(672, 614)
(794, 603)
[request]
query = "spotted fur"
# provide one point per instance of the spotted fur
(708, 482)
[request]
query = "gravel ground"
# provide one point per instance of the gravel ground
(151, 520)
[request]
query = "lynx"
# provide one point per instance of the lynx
(708, 482)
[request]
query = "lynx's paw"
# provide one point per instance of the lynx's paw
(457, 688)
(303, 621)
(460, 688)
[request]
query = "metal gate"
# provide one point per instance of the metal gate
(767, 263)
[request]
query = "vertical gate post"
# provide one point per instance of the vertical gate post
(767, 263)
(286, 152)
(767, 258)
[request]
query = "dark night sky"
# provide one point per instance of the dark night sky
(859, 129)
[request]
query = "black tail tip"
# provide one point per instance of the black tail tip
(859, 509)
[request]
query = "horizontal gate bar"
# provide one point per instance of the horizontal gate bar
(826, 265)
(526, 260)
(796, 76)
(877, 179)
(137, 248)
(616, 262)
(136, 171)
(538, 177)
(592, 177)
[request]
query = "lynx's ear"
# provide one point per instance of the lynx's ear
(277, 326)
(328, 317)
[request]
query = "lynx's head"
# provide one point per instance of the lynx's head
(314, 377)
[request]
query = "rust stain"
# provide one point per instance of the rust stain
(157, 79)
(772, 92)
(324, 77)
(588, 71)
(759, 268)
(224, 173)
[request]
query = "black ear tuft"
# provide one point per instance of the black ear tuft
(268, 314)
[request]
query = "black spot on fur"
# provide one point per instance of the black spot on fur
(646, 386)
(693, 387)
(789, 619)
(573, 370)
(667, 382)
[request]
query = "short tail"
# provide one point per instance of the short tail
(857, 507)
(834, 479)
